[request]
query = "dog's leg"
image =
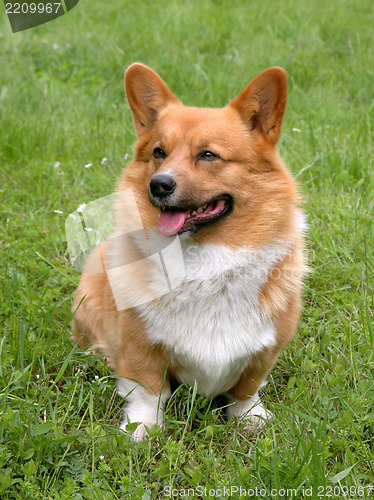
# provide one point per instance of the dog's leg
(144, 381)
(246, 400)
(244, 395)
(142, 406)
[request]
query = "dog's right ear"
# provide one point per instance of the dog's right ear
(147, 95)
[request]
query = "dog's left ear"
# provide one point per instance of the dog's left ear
(147, 94)
(263, 102)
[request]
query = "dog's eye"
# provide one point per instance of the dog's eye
(207, 156)
(159, 153)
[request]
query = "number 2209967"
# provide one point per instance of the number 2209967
(33, 8)
(344, 491)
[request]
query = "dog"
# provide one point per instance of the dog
(211, 180)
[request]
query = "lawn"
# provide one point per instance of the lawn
(62, 107)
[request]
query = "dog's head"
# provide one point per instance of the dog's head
(209, 173)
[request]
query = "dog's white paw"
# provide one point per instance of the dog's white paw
(141, 406)
(140, 433)
(250, 412)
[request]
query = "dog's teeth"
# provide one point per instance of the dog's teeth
(199, 210)
(193, 213)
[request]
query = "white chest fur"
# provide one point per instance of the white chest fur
(212, 323)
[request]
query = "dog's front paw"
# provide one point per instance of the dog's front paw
(140, 433)
(141, 406)
(250, 412)
(254, 423)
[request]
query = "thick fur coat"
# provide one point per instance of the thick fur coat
(213, 179)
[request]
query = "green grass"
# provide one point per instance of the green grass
(62, 99)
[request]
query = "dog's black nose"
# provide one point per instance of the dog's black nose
(162, 185)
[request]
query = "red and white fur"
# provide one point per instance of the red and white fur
(239, 303)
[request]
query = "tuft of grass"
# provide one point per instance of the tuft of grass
(62, 100)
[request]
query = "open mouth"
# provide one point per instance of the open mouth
(175, 220)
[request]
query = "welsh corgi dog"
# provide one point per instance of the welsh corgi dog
(212, 181)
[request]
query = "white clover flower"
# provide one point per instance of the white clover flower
(81, 207)
(126, 157)
(101, 457)
(55, 46)
(104, 160)
(57, 164)
(88, 229)
(88, 165)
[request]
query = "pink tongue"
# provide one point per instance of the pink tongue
(170, 221)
